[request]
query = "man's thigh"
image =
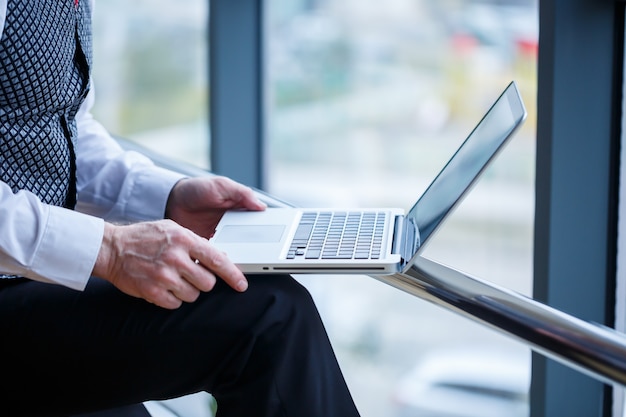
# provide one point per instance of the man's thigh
(76, 351)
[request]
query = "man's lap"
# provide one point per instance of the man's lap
(102, 348)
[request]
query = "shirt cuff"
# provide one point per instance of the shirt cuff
(69, 247)
(150, 192)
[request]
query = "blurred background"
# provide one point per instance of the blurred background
(367, 101)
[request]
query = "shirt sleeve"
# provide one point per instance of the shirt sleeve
(46, 243)
(113, 184)
(117, 185)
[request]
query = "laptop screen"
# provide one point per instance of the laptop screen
(469, 161)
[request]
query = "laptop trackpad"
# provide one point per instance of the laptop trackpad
(250, 233)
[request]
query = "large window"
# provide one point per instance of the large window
(368, 101)
(150, 71)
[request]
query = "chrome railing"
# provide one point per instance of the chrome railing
(593, 349)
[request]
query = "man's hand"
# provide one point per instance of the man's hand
(199, 203)
(169, 262)
(163, 263)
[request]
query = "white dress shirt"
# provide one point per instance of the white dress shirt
(54, 244)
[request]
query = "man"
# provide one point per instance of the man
(168, 314)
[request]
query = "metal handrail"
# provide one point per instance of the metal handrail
(591, 348)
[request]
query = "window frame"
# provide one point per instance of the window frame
(577, 124)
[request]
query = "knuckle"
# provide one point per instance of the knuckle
(216, 259)
(167, 279)
(171, 304)
(152, 294)
(207, 284)
(192, 297)
(166, 300)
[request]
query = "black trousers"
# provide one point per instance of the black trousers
(264, 352)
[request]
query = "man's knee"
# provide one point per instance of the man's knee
(285, 297)
(269, 301)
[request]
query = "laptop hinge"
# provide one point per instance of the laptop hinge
(405, 239)
(398, 233)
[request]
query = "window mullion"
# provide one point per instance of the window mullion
(236, 99)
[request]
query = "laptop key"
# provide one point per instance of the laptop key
(313, 254)
(303, 232)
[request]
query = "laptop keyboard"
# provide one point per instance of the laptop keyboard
(338, 235)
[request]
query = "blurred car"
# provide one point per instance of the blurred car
(466, 382)
(194, 405)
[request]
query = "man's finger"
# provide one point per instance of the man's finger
(218, 263)
(166, 299)
(200, 277)
(185, 290)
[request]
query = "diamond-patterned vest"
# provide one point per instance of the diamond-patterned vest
(45, 57)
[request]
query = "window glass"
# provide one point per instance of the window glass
(151, 76)
(368, 102)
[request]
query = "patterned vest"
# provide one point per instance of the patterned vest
(45, 58)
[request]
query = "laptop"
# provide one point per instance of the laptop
(373, 241)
